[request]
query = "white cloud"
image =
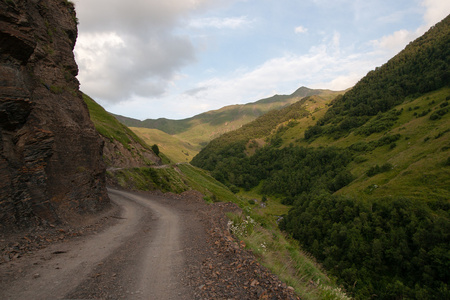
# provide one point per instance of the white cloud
(326, 66)
(221, 23)
(436, 10)
(395, 42)
(129, 55)
(128, 49)
(300, 29)
(323, 67)
(138, 16)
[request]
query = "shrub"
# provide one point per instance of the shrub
(155, 149)
(377, 169)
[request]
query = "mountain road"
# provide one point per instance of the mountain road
(136, 257)
(149, 245)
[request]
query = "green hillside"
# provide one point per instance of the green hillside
(197, 131)
(368, 176)
(123, 148)
(108, 126)
(423, 66)
(175, 149)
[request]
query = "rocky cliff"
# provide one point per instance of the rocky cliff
(51, 167)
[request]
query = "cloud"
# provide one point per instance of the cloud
(221, 23)
(328, 65)
(395, 42)
(300, 29)
(436, 10)
(130, 54)
(139, 16)
(195, 91)
(128, 49)
(324, 66)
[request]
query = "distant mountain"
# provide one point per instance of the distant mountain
(228, 114)
(367, 175)
(197, 131)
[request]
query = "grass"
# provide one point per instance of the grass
(419, 171)
(282, 256)
(109, 127)
(280, 253)
(203, 182)
(175, 149)
(150, 179)
(175, 178)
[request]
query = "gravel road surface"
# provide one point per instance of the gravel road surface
(152, 246)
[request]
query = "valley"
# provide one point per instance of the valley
(318, 194)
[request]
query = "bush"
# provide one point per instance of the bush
(388, 139)
(155, 149)
(377, 169)
(447, 162)
(438, 114)
(288, 201)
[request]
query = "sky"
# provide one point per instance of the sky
(174, 59)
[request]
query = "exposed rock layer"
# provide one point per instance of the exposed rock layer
(51, 167)
(117, 156)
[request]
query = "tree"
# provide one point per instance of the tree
(155, 149)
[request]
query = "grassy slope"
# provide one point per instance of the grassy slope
(177, 150)
(418, 157)
(110, 127)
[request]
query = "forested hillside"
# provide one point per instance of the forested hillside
(368, 178)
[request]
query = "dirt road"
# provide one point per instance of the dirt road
(138, 256)
(157, 247)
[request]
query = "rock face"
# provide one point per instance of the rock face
(117, 156)
(51, 167)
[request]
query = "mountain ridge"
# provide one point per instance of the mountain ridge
(192, 134)
(164, 124)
